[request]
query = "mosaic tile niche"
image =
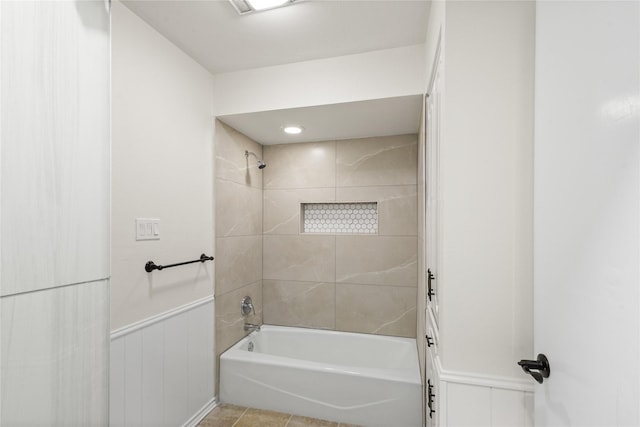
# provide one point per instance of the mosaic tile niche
(334, 218)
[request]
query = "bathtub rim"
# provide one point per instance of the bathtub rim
(406, 376)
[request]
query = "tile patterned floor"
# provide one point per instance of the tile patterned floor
(237, 416)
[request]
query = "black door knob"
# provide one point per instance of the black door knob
(538, 369)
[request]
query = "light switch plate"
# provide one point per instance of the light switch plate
(147, 229)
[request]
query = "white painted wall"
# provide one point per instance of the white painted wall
(379, 74)
(162, 168)
(435, 27)
(162, 349)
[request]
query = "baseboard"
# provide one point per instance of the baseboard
(199, 416)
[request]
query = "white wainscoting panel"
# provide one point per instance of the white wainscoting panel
(176, 370)
(54, 353)
(153, 385)
(132, 378)
(162, 370)
(465, 399)
(201, 362)
(442, 419)
(528, 410)
(508, 408)
(473, 405)
(468, 405)
(116, 382)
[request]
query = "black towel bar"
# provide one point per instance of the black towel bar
(150, 266)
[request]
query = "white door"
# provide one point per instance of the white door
(587, 212)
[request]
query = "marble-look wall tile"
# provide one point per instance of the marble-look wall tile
(238, 201)
(299, 258)
(54, 150)
(54, 356)
(303, 304)
(238, 262)
(229, 323)
(309, 165)
(380, 310)
(300, 271)
(238, 209)
(389, 160)
(376, 260)
(397, 206)
(231, 162)
(282, 208)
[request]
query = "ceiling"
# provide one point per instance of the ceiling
(377, 117)
(213, 34)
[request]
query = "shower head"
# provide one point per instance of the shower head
(261, 163)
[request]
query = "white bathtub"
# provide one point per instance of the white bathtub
(369, 380)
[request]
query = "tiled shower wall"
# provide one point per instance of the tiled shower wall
(360, 283)
(238, 200)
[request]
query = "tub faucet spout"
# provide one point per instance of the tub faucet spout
(250, 327)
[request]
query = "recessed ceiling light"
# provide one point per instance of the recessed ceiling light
(248, 6)
(292, 129)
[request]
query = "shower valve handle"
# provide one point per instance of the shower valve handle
(246, 306)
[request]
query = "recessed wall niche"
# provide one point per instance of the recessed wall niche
(338, 218)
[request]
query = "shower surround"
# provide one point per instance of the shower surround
(345, 282)
(238, 211)
(353, 283)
